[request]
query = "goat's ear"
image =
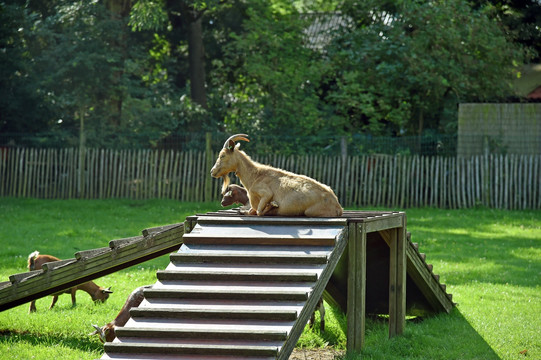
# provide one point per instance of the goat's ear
(107, 291)
(230, 145)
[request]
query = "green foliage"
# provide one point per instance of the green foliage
(148, 15)
(403, 65)
(275, 79)
(391, 68)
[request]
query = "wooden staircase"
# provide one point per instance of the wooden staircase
(237, 289)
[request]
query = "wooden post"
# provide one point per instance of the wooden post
(356, 294)
(397, 280)
(82, 154)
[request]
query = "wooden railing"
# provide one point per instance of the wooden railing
(499, 181)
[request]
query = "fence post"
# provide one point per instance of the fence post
(486, 178)
(81, 172)
(208, 162)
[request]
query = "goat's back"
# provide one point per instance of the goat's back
(295, 194)
(36, 261)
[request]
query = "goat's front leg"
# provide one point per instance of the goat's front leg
(55, 299)
(73, 291)
(271, 205)
(264, 204)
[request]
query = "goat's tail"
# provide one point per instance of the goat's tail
(31, 258)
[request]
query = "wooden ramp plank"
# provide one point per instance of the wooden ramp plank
(210, 333)
(248, 257)
(89, 265)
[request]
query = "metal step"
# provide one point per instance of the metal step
(231, 275)
(203, 313)
(210, 333)
(191, 349)
(268, 294)
(190, 239)
(246, 258)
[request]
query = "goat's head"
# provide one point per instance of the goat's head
(101, 294)
(106, 333)
(226, 161)
(234, 194)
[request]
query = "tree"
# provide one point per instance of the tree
(270, 81)
(22, 108)
(406, 63)
(149, 14)
(521, 21)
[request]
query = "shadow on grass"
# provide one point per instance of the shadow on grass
(37, 339)
(443, 336)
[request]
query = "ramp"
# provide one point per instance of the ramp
(89, 264)
(244, 287)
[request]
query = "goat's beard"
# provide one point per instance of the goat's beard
(226, 183)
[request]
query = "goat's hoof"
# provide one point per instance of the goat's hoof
(273, 203)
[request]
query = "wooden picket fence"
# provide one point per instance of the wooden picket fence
(499, 181)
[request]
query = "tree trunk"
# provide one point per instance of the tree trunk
(196, 54)
(120, 9)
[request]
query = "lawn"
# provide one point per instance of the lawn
(489, 259)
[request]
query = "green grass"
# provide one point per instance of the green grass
(489, 259)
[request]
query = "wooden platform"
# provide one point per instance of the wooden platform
(244, 287)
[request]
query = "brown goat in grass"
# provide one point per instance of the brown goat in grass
(98, 293)
(107, 331)
(293, 194)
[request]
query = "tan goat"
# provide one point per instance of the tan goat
(293, 194)
(98, 293)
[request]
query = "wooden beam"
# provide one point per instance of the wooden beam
(397, 280)
(356, 293)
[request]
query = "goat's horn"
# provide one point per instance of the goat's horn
(235, 138)
(95, 332)
(107, 291)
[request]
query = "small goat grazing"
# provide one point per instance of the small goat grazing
(98, 293)
(107, 331)
(293, 194)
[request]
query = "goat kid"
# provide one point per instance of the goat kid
(235, 194)
(98, 293)
(293, 194)
(107, 331)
